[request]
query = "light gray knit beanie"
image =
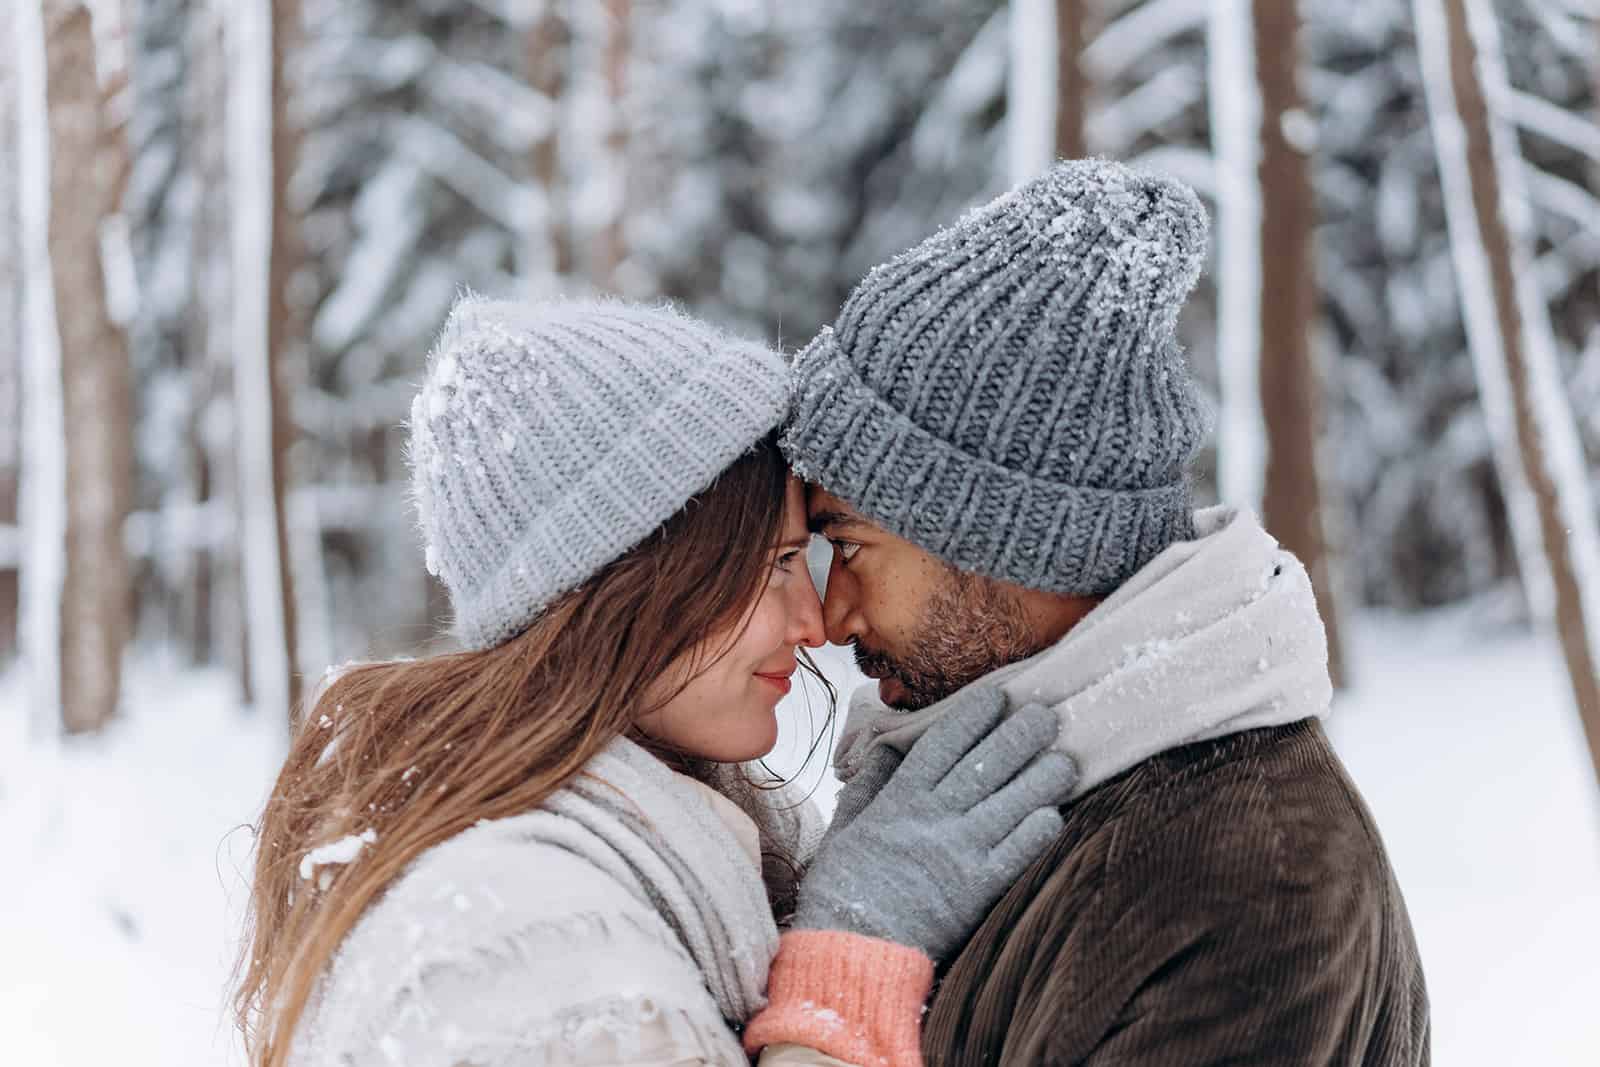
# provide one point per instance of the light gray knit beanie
(1010, 395)
(550, 438)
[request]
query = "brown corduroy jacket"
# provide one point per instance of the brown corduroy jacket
(1229, 902)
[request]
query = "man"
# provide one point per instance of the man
(999, 432)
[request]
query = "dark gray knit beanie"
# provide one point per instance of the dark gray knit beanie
(1009, 395)
(550, 438)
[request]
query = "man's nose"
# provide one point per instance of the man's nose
(841, 615)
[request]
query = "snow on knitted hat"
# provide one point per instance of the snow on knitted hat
(1009, 395)
(550, 438)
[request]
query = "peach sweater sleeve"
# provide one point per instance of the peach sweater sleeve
(857, 999)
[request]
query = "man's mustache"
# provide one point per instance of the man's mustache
(875, 664)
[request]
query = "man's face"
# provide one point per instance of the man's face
(918, 625)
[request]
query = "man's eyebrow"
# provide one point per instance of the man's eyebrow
(826, 520)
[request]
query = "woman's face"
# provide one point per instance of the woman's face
(728, 712)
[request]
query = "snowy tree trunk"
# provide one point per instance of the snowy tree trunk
(213, 606)
(549, 248)
(1508, 326)
(1072, 86)
(1290, 387)
(286, 324)
(251, 180)
(42, 490)
(1236, 142)
(11, 337)
(1031, 90)
(87, 161)
(611, 250)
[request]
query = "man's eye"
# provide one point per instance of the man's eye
(846, 550)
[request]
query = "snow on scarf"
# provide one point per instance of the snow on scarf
(629, 804)
(1212, 637)
(623, 898)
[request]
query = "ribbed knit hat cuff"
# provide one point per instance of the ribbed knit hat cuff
(712, 418)
(973, 513)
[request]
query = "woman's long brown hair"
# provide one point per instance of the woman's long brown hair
(419, 750)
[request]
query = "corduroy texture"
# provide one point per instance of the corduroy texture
(858, 999)
(1225, 902)
(550, 438)
(1010, 394)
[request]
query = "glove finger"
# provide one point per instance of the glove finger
(968, 721)
(1011, 746)
(857, 793)
(1012, 857)
(1046, 783)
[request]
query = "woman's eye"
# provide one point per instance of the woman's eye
(786, 559)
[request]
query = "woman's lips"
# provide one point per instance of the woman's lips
(779, 681)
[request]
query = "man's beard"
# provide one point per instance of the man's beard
(971, 626)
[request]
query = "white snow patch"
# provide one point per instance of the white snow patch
(1299, 129)
(344, 850)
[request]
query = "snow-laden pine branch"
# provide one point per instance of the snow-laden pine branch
(1538, 115)
(1144, 29)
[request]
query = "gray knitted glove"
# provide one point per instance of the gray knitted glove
(860, 790)
(973, 804)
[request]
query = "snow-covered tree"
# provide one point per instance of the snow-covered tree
(547, 248)
(1047, 91)
(287, 350)
(1074, 26)
(768, 155)
(1031, 89)
(607, 189)
(251, 176)
(10, 335)
(1508, 325)
(1267, 295)
(87, 160)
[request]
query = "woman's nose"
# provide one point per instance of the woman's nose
(805, 617)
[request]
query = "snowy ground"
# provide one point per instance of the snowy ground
(124, 867)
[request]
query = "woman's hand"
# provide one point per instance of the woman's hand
(968, 810)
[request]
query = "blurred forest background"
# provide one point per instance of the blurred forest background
(259, 212)
(230, 228)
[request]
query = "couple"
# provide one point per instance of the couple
(1089, 813)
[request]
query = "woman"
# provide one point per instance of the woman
(548, 846)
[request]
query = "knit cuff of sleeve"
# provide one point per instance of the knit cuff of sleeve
(856, 998)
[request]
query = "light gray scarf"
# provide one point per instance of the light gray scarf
(623, 898)
(1214, 636)
(632, 816)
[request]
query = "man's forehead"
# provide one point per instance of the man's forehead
(824, 511)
